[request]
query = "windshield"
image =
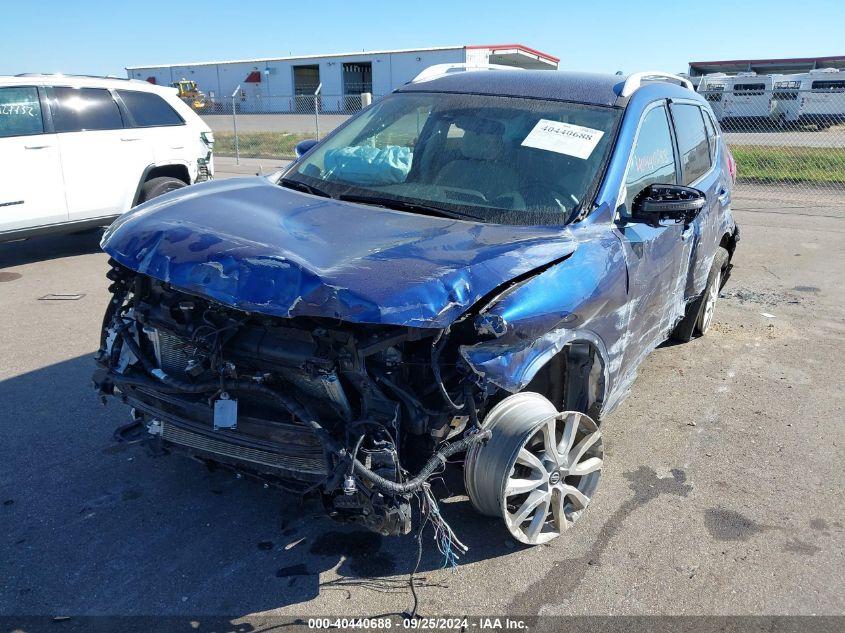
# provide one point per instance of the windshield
(504, 160)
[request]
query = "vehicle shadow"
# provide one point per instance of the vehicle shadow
(138, 533)
(48, 247)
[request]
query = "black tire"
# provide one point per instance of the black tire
(694, 322)
(154, 187)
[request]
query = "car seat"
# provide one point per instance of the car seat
(479, 167)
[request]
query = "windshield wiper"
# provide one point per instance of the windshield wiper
(301, 186)
(401, 205)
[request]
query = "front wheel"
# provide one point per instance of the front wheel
(539, 470)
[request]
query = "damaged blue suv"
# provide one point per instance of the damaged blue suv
(476, 264)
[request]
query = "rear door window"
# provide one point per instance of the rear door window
(20, 112)
(148, 109)
(653, 157)
(692, 141)
(80, 109)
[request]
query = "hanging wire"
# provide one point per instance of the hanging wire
(444, 537)
(412, 614)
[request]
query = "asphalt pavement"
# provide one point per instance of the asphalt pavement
(293, 123)
(722, 490)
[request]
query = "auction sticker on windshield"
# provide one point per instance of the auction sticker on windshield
(563, 138)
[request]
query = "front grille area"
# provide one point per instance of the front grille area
(264, 441)
(268, 439)
(203, 172)
(239, 451)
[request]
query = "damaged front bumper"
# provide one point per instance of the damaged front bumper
(351, 412)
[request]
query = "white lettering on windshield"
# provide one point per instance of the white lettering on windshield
(16, 109)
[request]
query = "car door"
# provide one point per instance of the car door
(657, 255)
(697, 171)
(31, 190)
(102, 162)
(159, 127)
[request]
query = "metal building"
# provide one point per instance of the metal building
(288, 84)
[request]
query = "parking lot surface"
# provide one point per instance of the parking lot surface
(722, 491)
(294, 123)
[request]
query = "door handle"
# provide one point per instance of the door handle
(177, 147)
(134, 138)
(724, 195)
(36, 146)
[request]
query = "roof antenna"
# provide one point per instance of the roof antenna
(619, 72)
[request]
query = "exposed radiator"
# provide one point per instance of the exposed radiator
(172, 352)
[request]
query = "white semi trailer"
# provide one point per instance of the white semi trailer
(744, 97)
(813, 98)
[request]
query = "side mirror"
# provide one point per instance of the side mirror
(303, 147)
(658, 203)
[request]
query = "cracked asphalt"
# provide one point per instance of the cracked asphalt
(722, 490)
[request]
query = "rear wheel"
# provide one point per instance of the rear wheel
(711, 293)
(154, 187)
(699, 314)
(539, 470)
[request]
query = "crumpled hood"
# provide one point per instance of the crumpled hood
(258, 247)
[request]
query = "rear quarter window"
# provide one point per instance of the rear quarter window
(20, 112)
(148, 109)
(712, 136)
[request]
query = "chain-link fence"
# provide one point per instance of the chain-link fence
(263, 126)
(785, 141)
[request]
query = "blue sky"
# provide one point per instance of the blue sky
(83, 36)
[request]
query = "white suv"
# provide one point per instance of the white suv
(76, 152)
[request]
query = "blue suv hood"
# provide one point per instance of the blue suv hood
(258, 247)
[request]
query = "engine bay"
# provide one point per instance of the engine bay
(351, 410)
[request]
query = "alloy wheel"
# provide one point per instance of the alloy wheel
(710, 305)
(539, 471)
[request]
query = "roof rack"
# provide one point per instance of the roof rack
(441, 70)
(71, 75)
(635, 81)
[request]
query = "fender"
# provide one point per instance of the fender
(582, 298)
(513, 368)
(149, 168)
